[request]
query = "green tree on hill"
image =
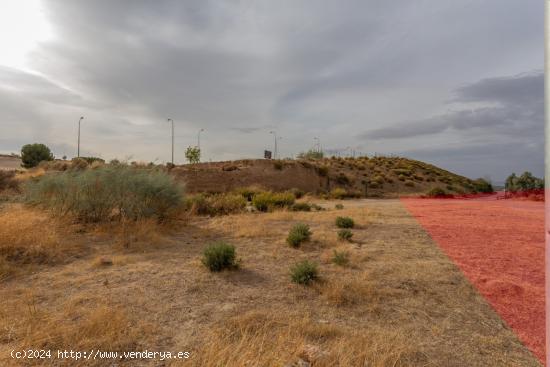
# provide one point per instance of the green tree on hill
(32, 154)
(193, 154)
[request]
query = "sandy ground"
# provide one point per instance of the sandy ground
(9, 163)
(400, 302)
(499, 245)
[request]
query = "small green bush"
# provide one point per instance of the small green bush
(340, 258)
(247, 192)
(301, 207)
(409, 183)
(32, 154)
(298, 194)
(436, 192)
(342, 179)
(219, 256)
(278, 165)
(298, 233)
(322, 171)
(345, 234)
(339, 206)
(304, 272)
(344, 222)
(338, 193)
(266, 201)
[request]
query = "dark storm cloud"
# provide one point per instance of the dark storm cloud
(518, 111)
(239, 69)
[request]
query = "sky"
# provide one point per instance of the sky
(456, 83)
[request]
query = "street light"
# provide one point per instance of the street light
(78, 144)
(170, 120)
(275, 144)
(199, 139)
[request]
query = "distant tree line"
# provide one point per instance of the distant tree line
(525, 182)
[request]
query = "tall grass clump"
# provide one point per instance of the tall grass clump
(107, 193)
(266, 201)
(219, 256)
(298, 233)
(344, 222)
(304, 272)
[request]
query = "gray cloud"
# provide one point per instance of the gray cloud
(304, 68)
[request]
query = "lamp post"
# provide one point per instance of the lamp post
(199, 139)
(275, 144)
(78, 144)
(172, 121)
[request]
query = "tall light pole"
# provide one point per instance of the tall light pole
(172, 121)
(199, 139)
(78, 144)
(275, 144)
(317, 144)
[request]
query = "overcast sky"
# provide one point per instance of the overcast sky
(457, 83)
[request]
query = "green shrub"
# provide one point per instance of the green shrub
(482, 185)
(322, 171)
(298, 233)
(339, 206)
(338, 193)
(79, 163)
(32, 154)
(278, 165)
(301, 207)
(304, 272)
(311, 154)
(404, 172)
(316, 207)
(216, 204)
(436, 192)
(345, 234)
(219, 256)
(266, 201)
(409, 183)
(298, 194)
(344, 222)
(340, 258)
(107, 193)
(247, 192)
(91, 160)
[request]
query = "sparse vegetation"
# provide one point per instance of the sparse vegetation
(219, 256)
(215, 204)
(344, 222)
(267, 201)
(525, 182)
(298, 234)
(437, 192)
(311, 154)
(304, 272)
(107, 193)
(278, 165)
(339, 206)
(338, 193)
(340, 258)
(33, 154)
(301, 207)
(345, 234)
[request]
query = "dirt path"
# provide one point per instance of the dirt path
(499, 245)
(400, 301)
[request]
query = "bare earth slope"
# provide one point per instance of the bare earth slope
(376, 177)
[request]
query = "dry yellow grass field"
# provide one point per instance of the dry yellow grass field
(137, 286)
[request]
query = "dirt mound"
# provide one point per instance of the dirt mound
(373, 177)
(9, 162)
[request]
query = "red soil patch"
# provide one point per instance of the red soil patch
(499, 245)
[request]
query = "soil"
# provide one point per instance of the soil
(499, 246)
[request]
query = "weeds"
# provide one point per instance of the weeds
(304, 272)
(299, 233)
(344, 222)
(345, 234)
(219, 256)
(340, 258)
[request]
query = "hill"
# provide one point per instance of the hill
(359, 177)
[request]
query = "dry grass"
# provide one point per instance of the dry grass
(79, 324)
(400, 302)
(265, 338)
(29, 237)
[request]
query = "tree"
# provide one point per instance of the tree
(483, 185)
(311, 154)
(193, 154)
(525, 182)
(32, 154)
